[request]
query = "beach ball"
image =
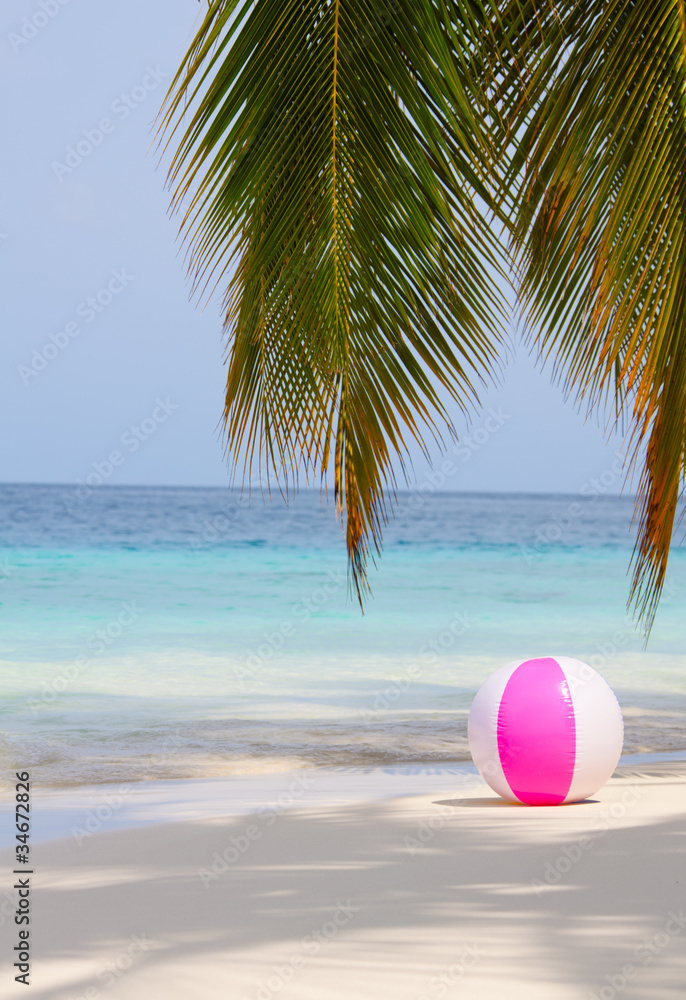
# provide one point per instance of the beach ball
(545, 731)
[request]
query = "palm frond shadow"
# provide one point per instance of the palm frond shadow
(474, 880)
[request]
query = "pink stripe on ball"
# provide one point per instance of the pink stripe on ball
(537, 733)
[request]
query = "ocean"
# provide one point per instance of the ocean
(157, 633)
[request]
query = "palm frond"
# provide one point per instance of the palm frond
(331, 162)
(598, 185)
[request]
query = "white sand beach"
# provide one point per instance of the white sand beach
(423, 896)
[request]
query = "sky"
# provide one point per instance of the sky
(108, 366)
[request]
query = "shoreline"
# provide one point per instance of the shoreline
(81, 811)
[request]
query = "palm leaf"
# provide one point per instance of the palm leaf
(597, 182)
(331, 165)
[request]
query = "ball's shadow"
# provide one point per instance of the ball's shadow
(488, 803)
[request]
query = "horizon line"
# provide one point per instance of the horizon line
(293, 490)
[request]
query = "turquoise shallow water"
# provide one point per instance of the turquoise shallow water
(167, 633)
